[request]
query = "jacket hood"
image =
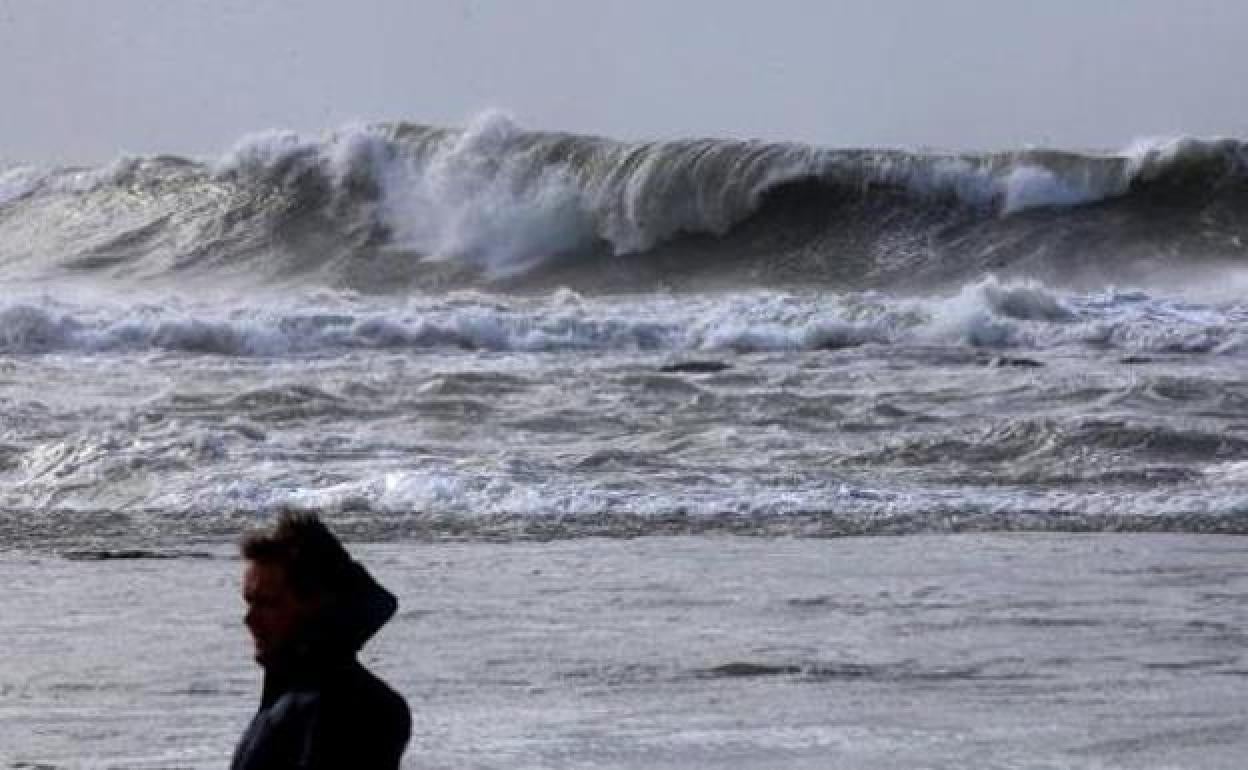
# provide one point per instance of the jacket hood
(347, 621)
(355, 615)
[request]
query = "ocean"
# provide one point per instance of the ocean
(763, 384)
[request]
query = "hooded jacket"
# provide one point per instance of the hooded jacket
(322, 710)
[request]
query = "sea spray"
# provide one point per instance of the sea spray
(394, 206)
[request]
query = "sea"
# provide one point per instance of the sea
(699, 453)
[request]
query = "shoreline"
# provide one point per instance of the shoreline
(361, 528)
(940, 651)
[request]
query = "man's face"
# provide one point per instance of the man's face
(275, 613)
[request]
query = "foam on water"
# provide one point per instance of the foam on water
(260, 153)
(1004, 404)
(473, 201)
(427, 326)
(1028, 187)
(989, 314)
(18, 181)
(389, 206)
(484, 497)
(462, 196)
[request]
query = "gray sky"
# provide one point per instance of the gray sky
(84, 80)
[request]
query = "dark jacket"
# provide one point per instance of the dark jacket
(322, 710)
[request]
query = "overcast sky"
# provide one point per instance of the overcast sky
(83, 80)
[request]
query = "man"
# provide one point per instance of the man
(310, 608)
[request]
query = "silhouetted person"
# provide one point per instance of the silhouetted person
(310, 608)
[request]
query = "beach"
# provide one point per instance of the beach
(987, 651)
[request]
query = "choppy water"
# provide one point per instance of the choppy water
(493, 332)
(434, 336)
(1001, 406)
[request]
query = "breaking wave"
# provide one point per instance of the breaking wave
(402, 206)
(986, 314)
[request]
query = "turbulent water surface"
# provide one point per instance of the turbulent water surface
(486, 350)
(493, 332)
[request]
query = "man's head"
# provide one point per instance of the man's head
(293, 571)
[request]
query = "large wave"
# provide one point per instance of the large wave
(401, 206)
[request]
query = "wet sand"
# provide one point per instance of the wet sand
(985, 651)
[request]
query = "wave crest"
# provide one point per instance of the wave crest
(405, 205)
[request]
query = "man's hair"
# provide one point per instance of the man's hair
(315, 561)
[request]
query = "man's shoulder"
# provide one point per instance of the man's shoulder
(293, 705)
(367, 691)
(366, 714)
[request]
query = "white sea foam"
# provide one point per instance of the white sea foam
(505, 200)
(1029, 187)
(476, 201)
(559, 408)
(86, 180)
(478, 494)
(487, 196)
(970, 183)
(409, 404)
(1010, 189)
(27, 328)
(471, 197)
(816, 334)
(18, 181)
(968, 319)
(258, 153)
(988, 313)
(1025, 301)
